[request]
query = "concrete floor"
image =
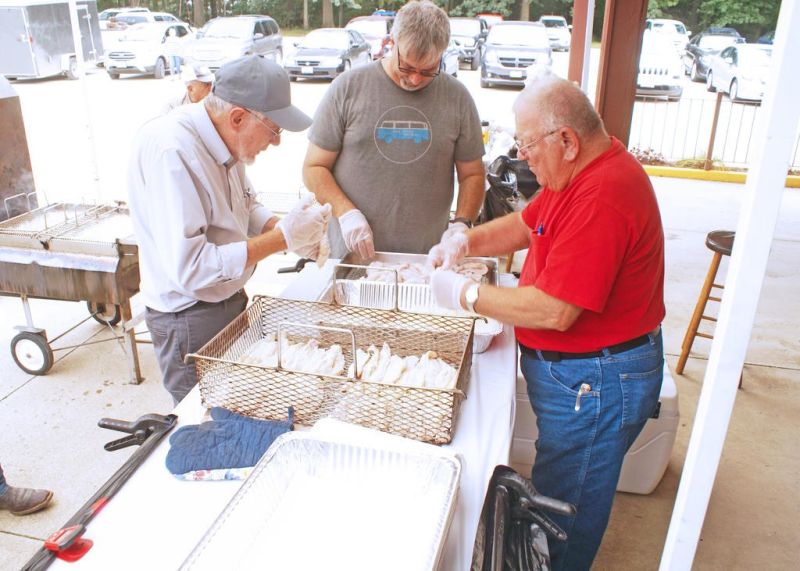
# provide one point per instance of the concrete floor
(50, 438)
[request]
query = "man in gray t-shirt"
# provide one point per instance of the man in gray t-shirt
(385, 140)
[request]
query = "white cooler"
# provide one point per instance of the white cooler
(646, 461)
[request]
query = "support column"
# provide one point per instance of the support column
(578, 47)
(623, 25)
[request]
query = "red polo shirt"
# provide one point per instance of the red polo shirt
(598, 244)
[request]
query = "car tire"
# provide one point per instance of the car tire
(694, 74)
(160, 69)
(734, 91)
(710, 82)
(113, 75)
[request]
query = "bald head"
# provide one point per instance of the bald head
(558, 103)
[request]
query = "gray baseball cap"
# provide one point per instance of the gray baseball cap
(260, 85)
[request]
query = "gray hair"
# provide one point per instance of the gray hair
(217, 106)
(422, 26)
(559, 103)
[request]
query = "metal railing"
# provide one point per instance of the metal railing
(697, 131)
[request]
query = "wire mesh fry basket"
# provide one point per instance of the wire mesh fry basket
(420, 413)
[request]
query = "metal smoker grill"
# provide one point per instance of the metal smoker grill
(265, 392)
(70, 252)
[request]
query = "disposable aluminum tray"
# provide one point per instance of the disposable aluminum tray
(318, 504)
(424, 414)
(352, 288)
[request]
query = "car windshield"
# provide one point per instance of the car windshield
(553, 22)
(514, 35)
(143, 33)
(130, 19)
(330, 39)
(716, 42)
(669, 27)
(465, 27)
(228, 29)
(369, 28)
(754, 57)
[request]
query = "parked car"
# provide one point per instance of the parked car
(674, 29)
(558, 32)
(767, 38)
(125, 20)
(376, 29)
(146, 48)
(740, 71)
(512, 47)
(660, 71)
(229, 37)
(469, 34)
(451, 58)
(105, 16)
(704, 45)
(490, 18)
(326, 53)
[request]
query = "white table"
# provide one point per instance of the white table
(155, 520)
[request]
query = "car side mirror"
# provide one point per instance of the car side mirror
(688, 33)
(258, 36)
(570, 27)
(295, 44)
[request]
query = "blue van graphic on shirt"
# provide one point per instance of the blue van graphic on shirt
(417, 131)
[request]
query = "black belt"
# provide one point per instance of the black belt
(613, 349)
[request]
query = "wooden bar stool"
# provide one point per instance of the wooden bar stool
(721, 243)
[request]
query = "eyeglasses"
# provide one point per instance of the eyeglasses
(260, 120)
(520, 147)
(410, 70)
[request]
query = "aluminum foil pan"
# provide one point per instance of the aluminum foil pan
(311, 503)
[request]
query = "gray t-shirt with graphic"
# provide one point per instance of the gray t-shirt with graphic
(397, 152)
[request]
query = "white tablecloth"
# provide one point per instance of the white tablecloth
(155, 520)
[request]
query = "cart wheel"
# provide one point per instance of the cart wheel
(32, 353)
(105, 314)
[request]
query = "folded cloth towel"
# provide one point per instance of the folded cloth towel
(230, 440)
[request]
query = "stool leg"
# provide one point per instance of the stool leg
(691, 331)
(509, 262)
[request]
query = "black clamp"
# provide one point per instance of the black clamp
(139, 429)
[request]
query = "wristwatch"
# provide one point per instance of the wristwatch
(465, 221)
(471, 296)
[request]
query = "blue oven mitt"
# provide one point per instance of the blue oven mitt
(230, 440)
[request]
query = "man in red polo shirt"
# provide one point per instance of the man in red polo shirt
(588, 307)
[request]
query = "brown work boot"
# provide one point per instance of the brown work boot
(24, 501)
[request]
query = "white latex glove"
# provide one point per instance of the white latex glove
(357, 234)
(446, 288)
(305, 226)
(450, 251)
(452, 228)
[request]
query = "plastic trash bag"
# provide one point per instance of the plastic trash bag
(513, 529)
(511, 187)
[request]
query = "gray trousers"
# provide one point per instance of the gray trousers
(176, 334)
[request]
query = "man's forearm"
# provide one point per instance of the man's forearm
(320, 181)
(526, 307)
(263, 245)
(470, 197)
(499, 236)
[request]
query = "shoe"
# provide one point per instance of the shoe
(24, 501)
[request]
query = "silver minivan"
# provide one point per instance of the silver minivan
(227, 38)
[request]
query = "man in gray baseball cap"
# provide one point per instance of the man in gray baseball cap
(260, 85)
(199, 227)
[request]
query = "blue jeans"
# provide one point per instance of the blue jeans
(3, 484)
(579, 453)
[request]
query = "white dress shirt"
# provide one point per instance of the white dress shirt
(193, 209)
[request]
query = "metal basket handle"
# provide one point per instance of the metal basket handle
(393, 270)
(322, 328)
(27, 196)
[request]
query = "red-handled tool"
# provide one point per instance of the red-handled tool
(68, 542)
